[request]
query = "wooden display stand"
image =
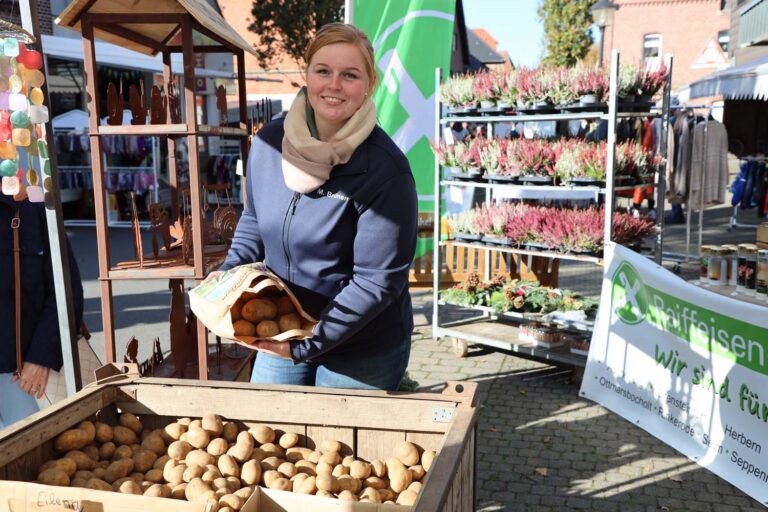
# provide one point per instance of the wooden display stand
(164, 28)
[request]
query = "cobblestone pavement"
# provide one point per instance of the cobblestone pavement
(543, 448)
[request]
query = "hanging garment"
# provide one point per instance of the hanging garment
(709, 164)
(680, 170)
(648, 136)
(739, 184)
(749, 185)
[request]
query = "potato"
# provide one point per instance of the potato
(360, 470)
(323, 468)
(232, 501)
(256, 310)
(198, 437)
(305, 466)
(69, 440)
(378, 468)
(331, 458)
(236, 311)
(179, 450)
(427, 458)
(273, 450)
(217, 447)
(98, 484)
(174, 430)
(347, 483)
(281, 484)
(288, 322)
(178, 490)
(211, 474)
(375, 482)
(325, 494)
(123, 435)
(195, 424)
(197, 490)
(220, 483)
(270, 476)
(199, 458)
(262, 434)
(348, 460)
(130, 421)
(371, 494)
(305, 486)
(68, 466)
(415, 487)
(327, 483)
(228, 466)
(158, 491)
(103, 432)
(245, 492)
(122, 452)
(82, 473)
(89, 428)
(330, 446)
(284, 305)
(160, 462)
(230, 432)
(144, 460)
(340, 469)
(154, 443)
(82, 461)
(192, 472)
(106, 450)
(53, 476)
(243, 328)
(417, 472)
(154, 475)
(137, 477)
(287, 469)
(259, 455)
(243, 448)
(406, 498)
(407, 453)
(79, 482)
(288, 440)
(386, 495)
(250, 473)
(118, 469)
(99, 472)
(129, 487)
(271, 463)
(184, 421)
(233, 483)
(91, 451)
(212, 424)
(173, 470)
(267, 329)
(399, 479)
(346, 496)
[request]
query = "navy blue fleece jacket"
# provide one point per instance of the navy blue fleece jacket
(345, 249)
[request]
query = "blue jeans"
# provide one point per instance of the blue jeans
(15, 404)
(381, 372)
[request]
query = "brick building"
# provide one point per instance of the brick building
(695, 32)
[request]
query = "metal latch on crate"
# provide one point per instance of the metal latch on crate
(442, 414)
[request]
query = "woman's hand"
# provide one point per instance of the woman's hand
(33, 380)
(213, 274)
(278, 349)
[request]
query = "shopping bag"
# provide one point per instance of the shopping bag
(56, 389)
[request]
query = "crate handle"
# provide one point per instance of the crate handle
(460, 389)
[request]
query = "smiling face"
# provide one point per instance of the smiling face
(337, 85)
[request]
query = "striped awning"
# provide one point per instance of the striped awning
(748, 81)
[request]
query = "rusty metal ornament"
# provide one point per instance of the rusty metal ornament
(157, 105)
(114, 104)
(158, 220)
(225, 222)
(221, 104)
(186, 240)
(137, 101)
(174, 102)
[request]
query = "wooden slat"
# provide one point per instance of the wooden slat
(377, 444)
(467, 475)
(456, 489)
(274, 406)
(316, 434)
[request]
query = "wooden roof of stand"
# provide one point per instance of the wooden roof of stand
(150, 37)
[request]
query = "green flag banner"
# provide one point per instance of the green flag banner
(410, 39)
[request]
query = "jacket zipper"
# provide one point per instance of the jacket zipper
(286, 229)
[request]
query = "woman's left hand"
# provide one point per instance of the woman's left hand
(278, 349)
(33, 380)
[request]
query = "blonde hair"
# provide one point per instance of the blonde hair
(334, 33)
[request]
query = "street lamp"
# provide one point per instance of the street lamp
(602, 14)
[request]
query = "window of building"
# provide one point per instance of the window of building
(723, 5)
(724, 37)
(652, 51)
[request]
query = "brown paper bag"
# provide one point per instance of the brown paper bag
(212, 301)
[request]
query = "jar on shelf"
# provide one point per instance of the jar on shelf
(715, 266)
(704, 255)
(741, 263)
(761, 284)
(733, 264)
(750, 277)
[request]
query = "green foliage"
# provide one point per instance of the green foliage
(566, 30)
(287, 26)
(408, 384)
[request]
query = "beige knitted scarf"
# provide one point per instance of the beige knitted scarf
(307, 161)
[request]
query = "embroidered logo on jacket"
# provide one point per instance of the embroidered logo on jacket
(332, 195)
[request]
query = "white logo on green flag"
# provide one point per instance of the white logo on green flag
(411, 38)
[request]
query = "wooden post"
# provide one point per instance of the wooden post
(56, 235)
(173, 168)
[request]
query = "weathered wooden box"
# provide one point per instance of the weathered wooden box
(368, 422)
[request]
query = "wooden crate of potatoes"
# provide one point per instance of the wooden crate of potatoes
(136, 444)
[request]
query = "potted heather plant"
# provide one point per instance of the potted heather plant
(487, 89)
(536, 161)
(462, 225)
(489, 155)
(590, 84)
(630, 80)
(629, 230)
(508, 94)
(446, 155)
(560, 87)
(651, 82)
(457, 93)
(532, 92)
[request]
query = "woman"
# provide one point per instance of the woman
(40, 341)
(332, 210)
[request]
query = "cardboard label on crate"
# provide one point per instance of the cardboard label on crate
(213, 299)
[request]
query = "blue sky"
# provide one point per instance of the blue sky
(513, 23)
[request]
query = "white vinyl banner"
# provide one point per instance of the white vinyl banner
(685, 364)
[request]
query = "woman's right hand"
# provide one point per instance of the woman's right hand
(212, 275)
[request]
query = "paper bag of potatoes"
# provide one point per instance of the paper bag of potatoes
(249, 303)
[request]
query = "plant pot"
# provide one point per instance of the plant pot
(457, 173)
(535, 180)
(588, 99)
(492, 239)
(542, 105)
(585, 181)
(498, 178)
(502, 106)
(467, 237)
(487, 104)
(536, 246)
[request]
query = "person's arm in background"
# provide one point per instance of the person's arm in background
(247, 245)
(384, 247)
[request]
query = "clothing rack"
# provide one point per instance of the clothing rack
(733, 223)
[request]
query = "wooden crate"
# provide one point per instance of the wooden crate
(368, 422)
